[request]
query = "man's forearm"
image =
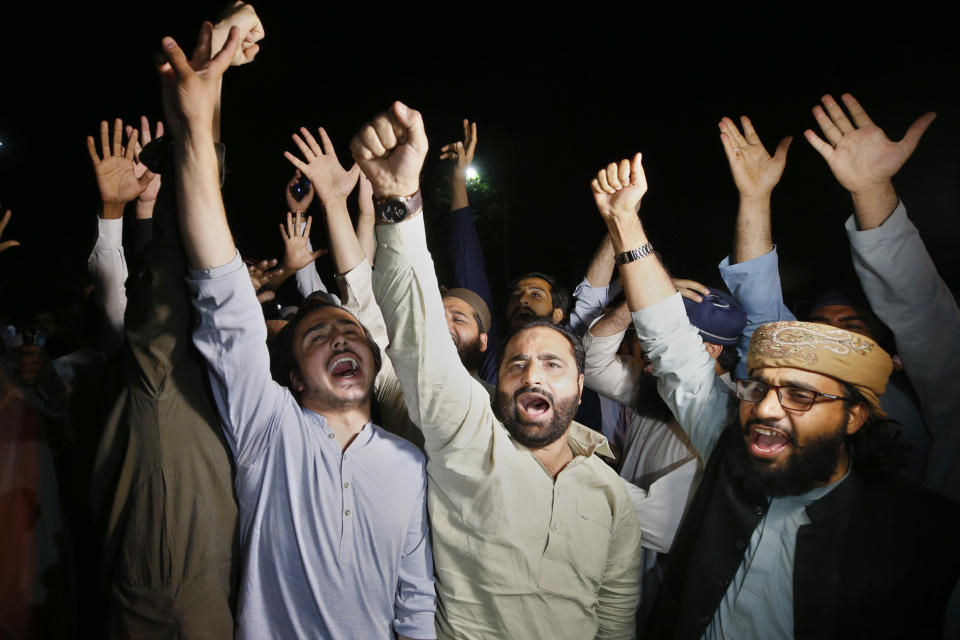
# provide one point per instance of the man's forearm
(753, 235)
(344, 246)
(203, 220)
(600, 270)
(873, 206)
(458, 190)
(645, 281)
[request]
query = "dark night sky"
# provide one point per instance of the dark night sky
(556, 97)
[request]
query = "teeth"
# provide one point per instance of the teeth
(767, 432)
(353, 363)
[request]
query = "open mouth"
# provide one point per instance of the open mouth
(533, 405)
(523, 314)
(344, 367)
(766, 442)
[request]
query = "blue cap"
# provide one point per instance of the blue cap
(720, 318)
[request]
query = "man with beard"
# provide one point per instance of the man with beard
(534, 536)
(798, 528)
(332, 509)
(659, 465)
(468, 320)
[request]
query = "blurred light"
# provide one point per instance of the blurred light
(472, 174)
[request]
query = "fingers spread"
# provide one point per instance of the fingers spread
(824, 149)
(749, 133)
(836, 114)
(831, 132)
(294, 160)
(176, 57)
(131, 144)
(305, 149)
(781, 152)
(325, 140)
(859, 115)
(92, 149)
(311, 142)
(117, 137)
(916, 130)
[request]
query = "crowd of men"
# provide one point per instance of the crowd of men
(645, 457)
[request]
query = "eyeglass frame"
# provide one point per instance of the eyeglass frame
(778, 387)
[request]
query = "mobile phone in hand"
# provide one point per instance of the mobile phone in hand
(300, 188)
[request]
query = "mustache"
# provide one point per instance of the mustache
(767, 422)
(546, 394)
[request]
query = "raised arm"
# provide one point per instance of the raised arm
(148, 198)
(119, 182)
(231, 334)
(687, 381)
(896, 272)
(308, 278)
(366, 219)
(6, 244)
(469, 266)
(861, 156)
(606, 372)
(591, 296)
(442, 398)
(751, 272)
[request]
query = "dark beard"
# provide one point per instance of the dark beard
(471, 356)
(505, 408)
(807, 467)
(648, 400)
(521, 318)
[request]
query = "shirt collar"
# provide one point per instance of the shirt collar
(584, 441)
(361, 439)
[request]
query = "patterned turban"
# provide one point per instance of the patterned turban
(821, 348)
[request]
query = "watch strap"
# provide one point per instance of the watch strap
(634, 254)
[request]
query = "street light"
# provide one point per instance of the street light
(472, 174)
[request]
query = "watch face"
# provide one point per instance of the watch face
(393, 211)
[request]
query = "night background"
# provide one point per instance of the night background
(556, 96)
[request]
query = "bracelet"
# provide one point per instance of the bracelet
(634, 254)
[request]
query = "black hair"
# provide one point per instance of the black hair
(283, 361)
(728, 358)
(877, 446)
(559, 295)
(579, 353)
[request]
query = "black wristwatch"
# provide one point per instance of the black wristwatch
(397, 209)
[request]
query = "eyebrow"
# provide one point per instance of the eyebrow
(323, 324)
(790, 383)
(523, 357)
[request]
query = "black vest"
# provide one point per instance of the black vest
(879, 558)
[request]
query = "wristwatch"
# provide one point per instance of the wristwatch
(397, 209)
(634, 254)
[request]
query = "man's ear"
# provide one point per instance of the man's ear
(296, 381)
(580, 383)
(859, 413)
(557, 315)
(713, 349)
(483, 342)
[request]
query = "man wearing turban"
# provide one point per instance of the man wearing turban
(799, 528)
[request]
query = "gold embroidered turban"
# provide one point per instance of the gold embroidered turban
(821, 348)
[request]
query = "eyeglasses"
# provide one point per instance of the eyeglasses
(793, 398)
